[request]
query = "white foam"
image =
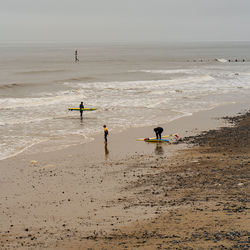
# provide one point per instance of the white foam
(19, 144)
(12, 103)
(121, 104)
(222, 60)
(126, 85)
(168, 71)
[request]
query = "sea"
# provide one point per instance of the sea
(131, 85)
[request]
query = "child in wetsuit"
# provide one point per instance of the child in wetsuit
(106, 132)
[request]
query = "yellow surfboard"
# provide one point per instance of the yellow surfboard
(84, 109)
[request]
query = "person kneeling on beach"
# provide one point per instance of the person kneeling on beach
(106, 132)
(158, 132)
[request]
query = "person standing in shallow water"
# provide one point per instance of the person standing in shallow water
(106, 132)
(81, 109)
(76, 57)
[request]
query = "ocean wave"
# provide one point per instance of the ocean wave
(34, 72)
(13, 85)
(125, 85)
(93, 91)
(19, 144)
(12, 103)
(168, 71)
(84, 78)
(25, 120)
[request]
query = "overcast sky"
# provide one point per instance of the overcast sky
(124, 20)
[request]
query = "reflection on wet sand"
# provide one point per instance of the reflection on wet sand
(159, 149)
(106, 150)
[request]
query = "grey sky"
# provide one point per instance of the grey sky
(124, 20)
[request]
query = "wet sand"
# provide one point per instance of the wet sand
(132, 194)
(205, 190)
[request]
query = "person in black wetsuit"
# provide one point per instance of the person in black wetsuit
(158, 132)
(81, 107)
(76, 57)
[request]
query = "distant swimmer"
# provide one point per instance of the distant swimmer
(81, 106)
(76, 57)
(158, 132)
(106, 132)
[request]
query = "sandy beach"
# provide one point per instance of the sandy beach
(70, 71)
(191, 193)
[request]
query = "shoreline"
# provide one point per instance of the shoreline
(145, 131)
(84, 188)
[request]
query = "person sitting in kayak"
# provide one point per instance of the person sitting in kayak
(81, 108)
(158, 132)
